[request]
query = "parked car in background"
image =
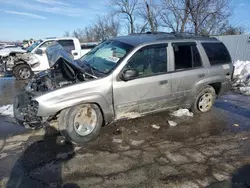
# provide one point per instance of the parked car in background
(125, 77)
(23, 64)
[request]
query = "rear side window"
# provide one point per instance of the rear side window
(186, 56)
(217, 53)
(67, 45)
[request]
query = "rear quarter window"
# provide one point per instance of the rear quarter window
(217, 53)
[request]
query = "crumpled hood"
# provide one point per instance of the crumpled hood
(55, 52)
(6, 51)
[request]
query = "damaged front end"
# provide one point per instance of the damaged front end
(25, 110)
(14, 59)
(63, 71)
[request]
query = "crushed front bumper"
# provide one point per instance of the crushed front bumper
(25, 109)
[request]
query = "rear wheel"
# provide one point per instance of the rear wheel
(22, 72)
(204, 100)
(80, 124)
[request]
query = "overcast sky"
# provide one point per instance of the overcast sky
(24, 19)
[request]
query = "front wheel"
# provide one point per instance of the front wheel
(204, 100)
(81, 124)
(22, 72)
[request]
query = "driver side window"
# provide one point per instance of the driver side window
(150, 60)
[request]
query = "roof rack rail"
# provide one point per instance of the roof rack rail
(149, 32)
(174, 34)
(186, 34)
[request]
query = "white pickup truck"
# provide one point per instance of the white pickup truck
(24, 64)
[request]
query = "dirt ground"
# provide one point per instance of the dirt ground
(207, 150)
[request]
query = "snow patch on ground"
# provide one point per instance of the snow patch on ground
(241, 78)
(172, 123)
(6, 110)
(182, 112)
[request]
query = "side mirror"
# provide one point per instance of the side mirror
(40, 51)
(129, 74)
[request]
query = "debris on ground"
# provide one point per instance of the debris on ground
(155, 126)
(236, 125)
(241, 78)
(172, 123)
(117, 140)
(137, 142)
(7, 110)
(182, 112)
(117, 132)
(123, 147)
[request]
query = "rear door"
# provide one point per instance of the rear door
(187, 70)
(151, 90)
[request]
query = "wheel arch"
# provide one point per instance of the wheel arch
(47, 109)
(215, 82)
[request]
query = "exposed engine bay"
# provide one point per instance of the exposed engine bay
(61, 74)
(63, 71)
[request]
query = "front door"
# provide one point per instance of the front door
(150, 90)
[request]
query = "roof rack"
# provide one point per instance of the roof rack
(173, 34)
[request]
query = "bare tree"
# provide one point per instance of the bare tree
(228, 29)
(199, 16)
(102, 29)
(127, 8)
(79, 34)
(149, 13)
(174, 14)
(139, 28)
(207, 14)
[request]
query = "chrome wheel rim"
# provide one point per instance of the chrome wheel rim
(24, 73)
(205, 102)
(85, 120)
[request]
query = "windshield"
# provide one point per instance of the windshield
(29, 49)
(106, 55)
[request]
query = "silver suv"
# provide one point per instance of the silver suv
(125, 77)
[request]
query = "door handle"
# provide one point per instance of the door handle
(163, 82)
(75, 53)
(228, 74)
(201, 75)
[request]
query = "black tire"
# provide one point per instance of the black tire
(205, 90)
(66, 124)
(17, 72)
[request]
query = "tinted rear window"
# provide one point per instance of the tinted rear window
(68, 45)
(217, 53)
(88, 46)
